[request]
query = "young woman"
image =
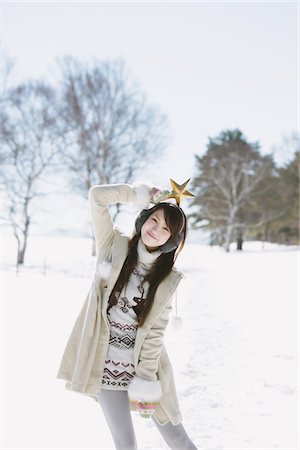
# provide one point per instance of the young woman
(116, 352)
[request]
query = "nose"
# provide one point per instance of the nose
(154, 229)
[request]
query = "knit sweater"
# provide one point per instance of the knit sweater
(119, 367)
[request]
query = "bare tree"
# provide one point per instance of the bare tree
(110, 131)
(285, 151)
(227, 177)
(6, 70)
(27, 124)
(7, 66)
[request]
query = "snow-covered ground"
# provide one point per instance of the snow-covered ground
(235, 358)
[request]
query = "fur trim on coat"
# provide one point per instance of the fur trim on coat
(142, 193)
(144, 390)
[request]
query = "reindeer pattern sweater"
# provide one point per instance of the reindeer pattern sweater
(119, 367)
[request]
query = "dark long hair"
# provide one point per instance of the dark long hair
(162, 266)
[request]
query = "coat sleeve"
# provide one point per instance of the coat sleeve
(145, 385)
(100, 197)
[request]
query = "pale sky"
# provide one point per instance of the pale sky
(208, 65)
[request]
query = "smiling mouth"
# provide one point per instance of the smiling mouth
(152, 236)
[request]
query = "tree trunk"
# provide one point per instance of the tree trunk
(228, 236)
(239, 240)
(21, 252)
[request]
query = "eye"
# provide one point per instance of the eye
(165, 228)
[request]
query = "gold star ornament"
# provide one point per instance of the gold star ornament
(179, 192)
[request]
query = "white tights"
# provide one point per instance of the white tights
(115, 406)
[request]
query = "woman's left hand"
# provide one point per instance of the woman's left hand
(146, 409)
(158, 195)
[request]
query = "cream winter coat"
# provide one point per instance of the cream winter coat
(83, 359)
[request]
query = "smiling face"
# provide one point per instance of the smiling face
(155, 232)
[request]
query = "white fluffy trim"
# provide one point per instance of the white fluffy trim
(142, 192)
(103, 271)
(144, 390)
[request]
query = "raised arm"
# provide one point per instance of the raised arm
(100, 197)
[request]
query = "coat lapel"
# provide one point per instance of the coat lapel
(162, 296)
